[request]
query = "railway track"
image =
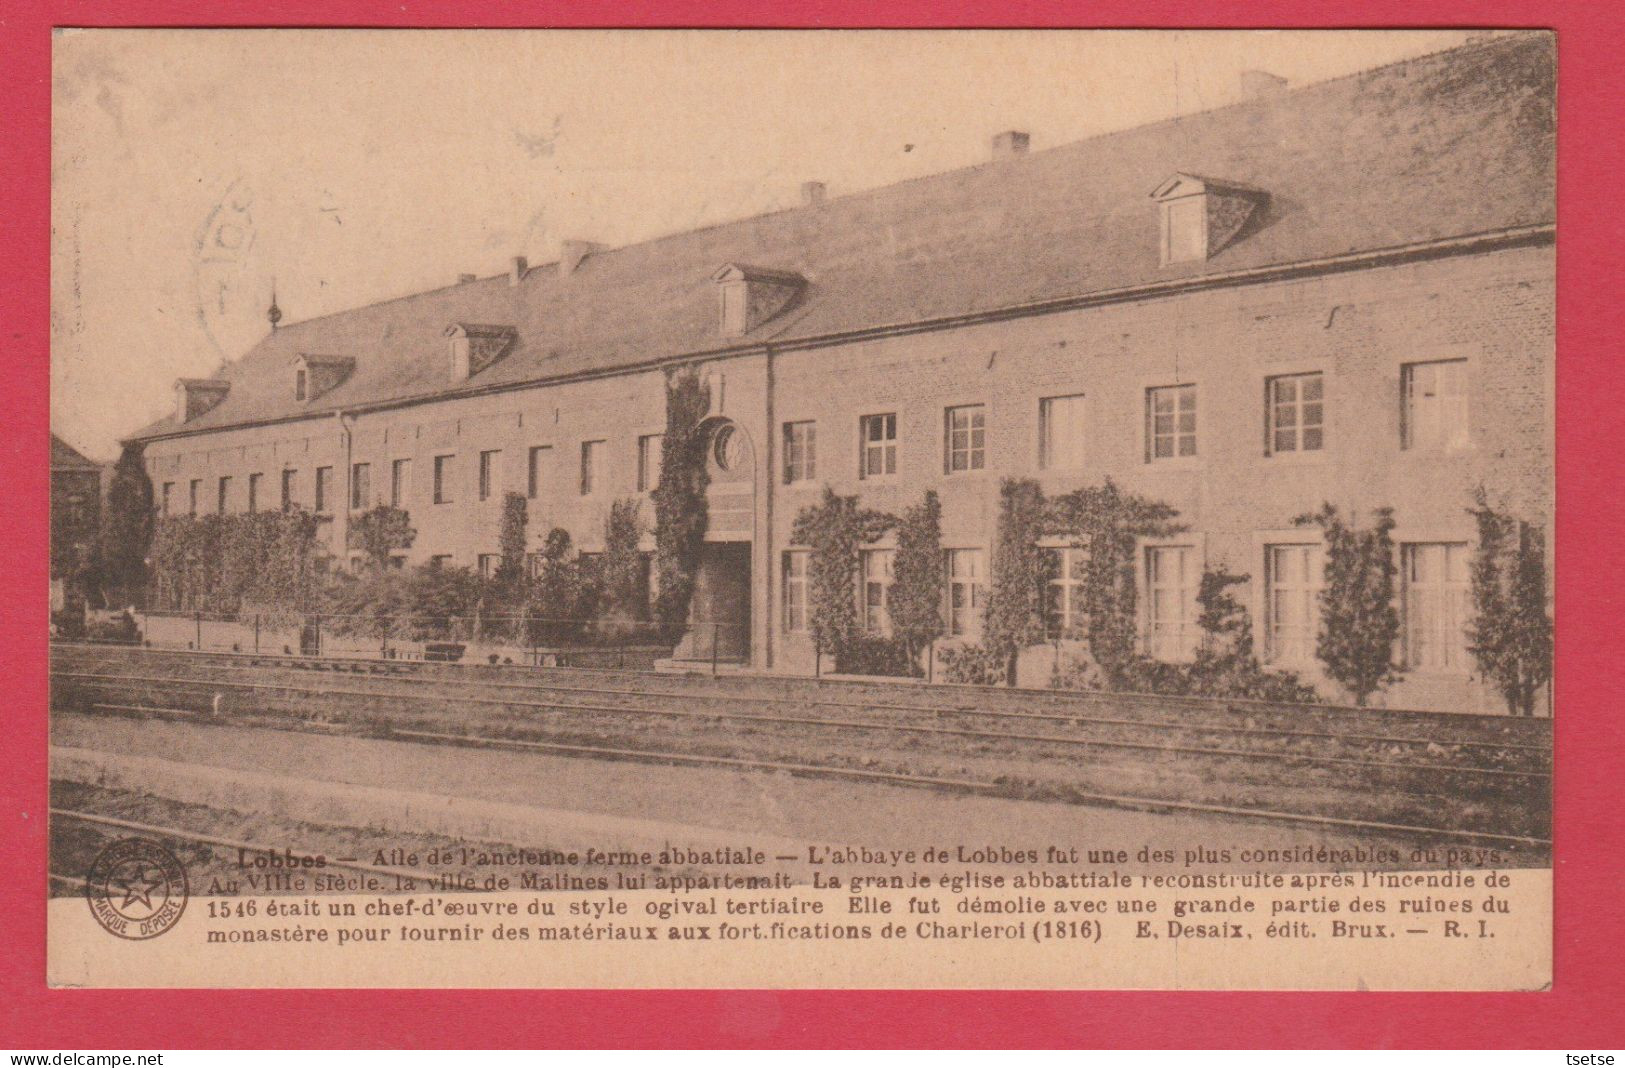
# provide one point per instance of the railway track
(848, 724)
(1217, 759)
(1069, 707)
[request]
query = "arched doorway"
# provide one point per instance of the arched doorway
(719, 615)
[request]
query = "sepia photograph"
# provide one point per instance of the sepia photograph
(705, 508)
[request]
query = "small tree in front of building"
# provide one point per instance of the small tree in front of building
(679, 499)
(915, 600)
(510, 572)
(834, 529)
(127, 527)
(380, 532)
(623, 583)
(1359, 624)
(1020, 575)
(561, 595)
(1510, 636)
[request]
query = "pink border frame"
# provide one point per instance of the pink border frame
(1581, 1010)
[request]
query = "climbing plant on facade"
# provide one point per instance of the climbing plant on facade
(1510, 636)
(1108, 523)
(621, 576)
(380, 532)
(834, 530)
(915, 601)
(1020, 574)
(1359, 624)
(679, 499)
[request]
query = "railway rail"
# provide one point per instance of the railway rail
(1454, 778)
(844, 724)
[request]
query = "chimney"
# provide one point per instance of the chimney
(1256, 84)
(1009, 144)
(464, 279)
(571, 253)
(813, 193)
(516, 271)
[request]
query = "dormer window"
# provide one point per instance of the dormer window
(472, 347)
(750, 296)
(314, 376)
(1201, 216)
(194, 396)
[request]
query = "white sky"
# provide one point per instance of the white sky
(355, 166)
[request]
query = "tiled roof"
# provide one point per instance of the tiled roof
(1452, 144)
(65, 456)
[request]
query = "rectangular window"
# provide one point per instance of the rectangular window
(290, 489)
(1063, 609)
(1435, 404)
(223, 495)
(592, 454)
(795, 591)
(877, 581)
(534, 562)
(299, 384)
(1292, 580)
(800, 452)
(164, 500)
(1436, 606)
(1060, 433)
(966, 592)
(490, 474)
(1171, 578)
(324, 489)
(488, 564)
(194, 490)
(440, 560)
(254, 481)
(400, 483)
(1170, 422)
(360, 486)
(877, 435)
(442, 478)
(536, 469)
(1184, 230)
(649, 461)
(1295, 414)
(965, 433)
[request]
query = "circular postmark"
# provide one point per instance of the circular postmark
(136, 889)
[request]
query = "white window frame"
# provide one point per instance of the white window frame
(1171, 641)
(222, 496)
(290, 488)
(651, 449)
(883, 450)
(793, 576)
(400, 482)
(1067, 593)
(490, 474)
(254, 480)
(800, 457)
(964, 610)
(1436, 613)
(1274, 409)
(875, 579)
(975, 454)
(324, 489)
(360, 471)
(1179, 389)
(444, 473)
(1444, 422)
(1050, 456)
(590, 477)
(1198, 202)
(1278, 649)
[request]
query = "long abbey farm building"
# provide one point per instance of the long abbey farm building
(1342, 293)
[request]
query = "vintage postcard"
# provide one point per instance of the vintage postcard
(973, 509)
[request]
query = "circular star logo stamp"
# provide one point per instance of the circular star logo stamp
(137, 889)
